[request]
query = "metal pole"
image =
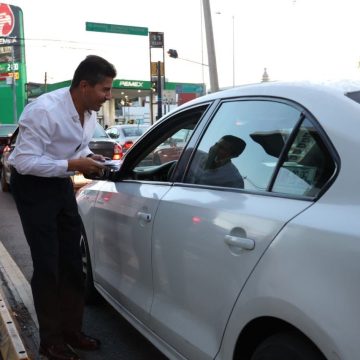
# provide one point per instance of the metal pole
(151, 92)
(159, 91)
(202, 43)
(233, 40)
(214, 83)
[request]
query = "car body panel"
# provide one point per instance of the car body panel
(188, 277)
(123, 264)
(183, 262)
(313, 259)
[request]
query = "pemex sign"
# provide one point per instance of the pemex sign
(12, 63)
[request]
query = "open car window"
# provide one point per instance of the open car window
(164, 146)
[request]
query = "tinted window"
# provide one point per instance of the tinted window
(307, 166)
(242, 144)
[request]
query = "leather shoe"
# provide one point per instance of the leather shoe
(81, 341)
(58, 352)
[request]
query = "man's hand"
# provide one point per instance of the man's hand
(86, 165)
(98, 157)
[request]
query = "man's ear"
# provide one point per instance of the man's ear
(83, 84)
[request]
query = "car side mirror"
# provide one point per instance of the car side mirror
(113, 136)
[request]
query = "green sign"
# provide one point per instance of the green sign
(118, 29)
(12, 62)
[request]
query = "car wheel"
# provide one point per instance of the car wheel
(287, 346)
(4, 185)
(91, 294)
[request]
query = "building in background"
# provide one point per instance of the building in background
(131, 99)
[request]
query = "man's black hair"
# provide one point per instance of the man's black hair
(238, 145)
(94, 69)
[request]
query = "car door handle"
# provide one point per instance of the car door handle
(240, 242)
(144, 216)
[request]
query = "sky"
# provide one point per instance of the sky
(292, 39)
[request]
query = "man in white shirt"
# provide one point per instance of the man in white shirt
(54, 133)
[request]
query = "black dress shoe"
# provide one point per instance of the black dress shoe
(79, 340)
(58, 352)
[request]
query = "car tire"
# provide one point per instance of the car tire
(285, 346)
(92, 296)
(4, 185)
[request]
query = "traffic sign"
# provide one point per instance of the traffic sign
(156, 39)
(118, 29)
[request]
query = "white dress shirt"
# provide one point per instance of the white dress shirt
(50, 134)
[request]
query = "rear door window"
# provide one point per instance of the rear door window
(262, 146)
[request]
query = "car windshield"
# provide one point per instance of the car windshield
(7, 130)
(100, 132)
(133, 131)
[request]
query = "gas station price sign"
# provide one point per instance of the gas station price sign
(156, 39)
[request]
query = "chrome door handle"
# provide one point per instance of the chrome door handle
(144, 216)
(243, 243)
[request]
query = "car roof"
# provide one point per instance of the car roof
(295, 90)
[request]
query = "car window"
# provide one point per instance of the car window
(252, 144)
(242, 144)
(132, 131)
(165, 145)
(100, 132)
(170, 149)
(307, 166)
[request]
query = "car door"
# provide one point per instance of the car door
(123, 214)
(209, 233)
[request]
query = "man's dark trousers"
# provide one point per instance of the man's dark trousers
(52, 227)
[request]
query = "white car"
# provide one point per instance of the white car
(247, 247)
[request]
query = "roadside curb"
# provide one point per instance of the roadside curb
(11, 346)
(15, 306)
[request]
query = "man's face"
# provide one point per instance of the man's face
(95, 96)
(222, 150)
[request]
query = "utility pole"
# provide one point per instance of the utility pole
(159, 91)
(214, 83)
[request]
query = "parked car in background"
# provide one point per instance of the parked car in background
(210, 267)
(99, 144)
(6, 130)
(126, 135)
(5, 167)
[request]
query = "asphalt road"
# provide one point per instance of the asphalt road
(119, 339)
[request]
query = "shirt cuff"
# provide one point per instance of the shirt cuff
(90, 155)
